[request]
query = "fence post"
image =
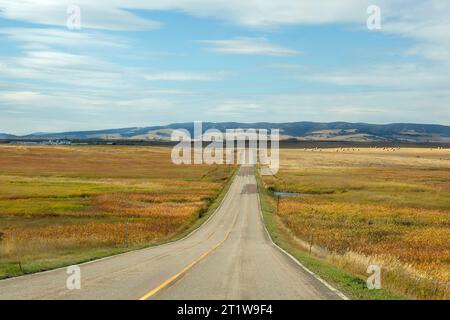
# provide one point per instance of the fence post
(278, 205)
(126, 233)
(18, 255)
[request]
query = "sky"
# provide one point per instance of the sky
(141, 63)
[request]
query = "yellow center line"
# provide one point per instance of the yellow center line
(189, 266)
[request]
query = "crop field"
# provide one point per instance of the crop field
(358, 207)
(66, 204)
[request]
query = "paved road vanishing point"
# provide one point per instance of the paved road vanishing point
(229, 257)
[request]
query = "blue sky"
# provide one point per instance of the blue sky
(140, 63)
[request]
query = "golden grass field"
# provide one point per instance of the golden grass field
(365, 206)
(66, 204)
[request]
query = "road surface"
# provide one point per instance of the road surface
(230, 257)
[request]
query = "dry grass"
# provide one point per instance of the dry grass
(390, 207)
(61, 201)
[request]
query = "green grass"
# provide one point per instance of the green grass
(60, 259)
(353, 286)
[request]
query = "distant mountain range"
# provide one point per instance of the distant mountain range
(7, 136)
(303, 131)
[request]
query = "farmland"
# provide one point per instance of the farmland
(384, 206)
(66, 204)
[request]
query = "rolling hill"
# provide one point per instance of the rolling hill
(7, 136)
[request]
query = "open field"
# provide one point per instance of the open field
(365, 206)
(62, 205)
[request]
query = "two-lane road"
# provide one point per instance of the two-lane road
(229, 257)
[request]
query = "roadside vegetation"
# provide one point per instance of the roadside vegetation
(64, 205)
(359, 207)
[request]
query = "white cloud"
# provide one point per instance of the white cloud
(51, 37)
(425, 21)
(97, 89)
(374, 107)
(182, 76)
(83, 71)
(250, 46)
(61, 110)
(388, 76)
(18, 97)
(264, 13)
(433, 40)
(115, 14)
(236, 108)
(56, 67)
(54, 59)
(108, 15)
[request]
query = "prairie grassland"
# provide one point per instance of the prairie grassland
(62, 205)
(372, 206)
